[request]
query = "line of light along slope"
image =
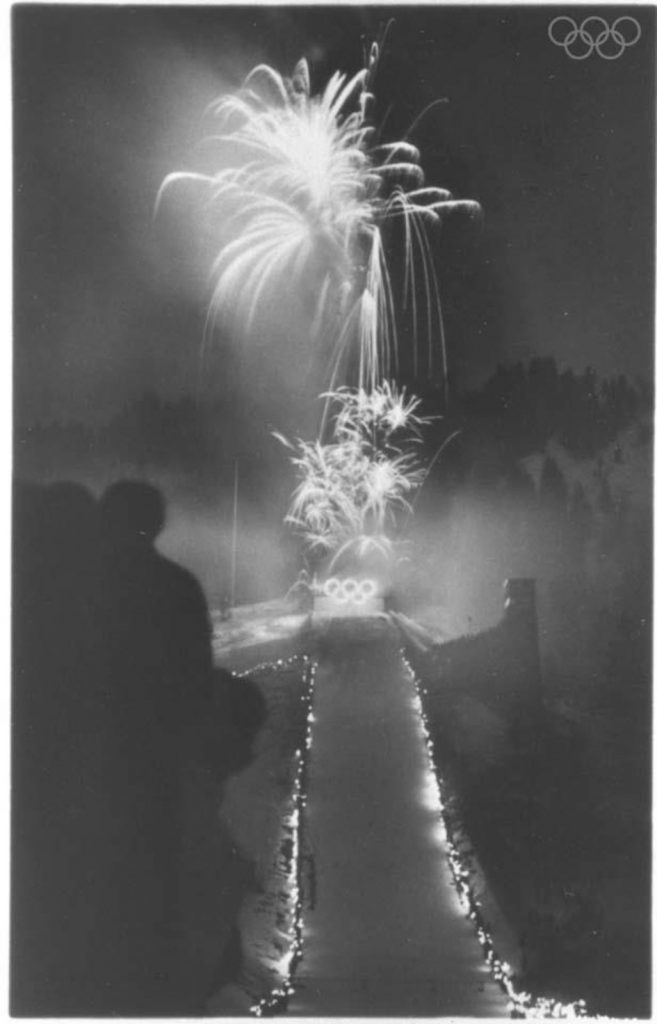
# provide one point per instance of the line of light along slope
(385, 934)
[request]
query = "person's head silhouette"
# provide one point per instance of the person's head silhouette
(132, 513)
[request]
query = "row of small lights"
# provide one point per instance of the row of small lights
(273, 666)
(522, 1005)
(277, 1000)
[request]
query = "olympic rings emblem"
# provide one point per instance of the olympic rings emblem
(609, 42)
(344, 591)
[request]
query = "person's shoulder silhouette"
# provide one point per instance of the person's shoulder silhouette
(156, 619)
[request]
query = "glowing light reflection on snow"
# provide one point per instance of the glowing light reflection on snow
(278, 998)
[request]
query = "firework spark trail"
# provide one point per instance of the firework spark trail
(308, 192)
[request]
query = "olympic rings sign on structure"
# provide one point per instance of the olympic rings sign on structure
(595, 33)
(350, 589)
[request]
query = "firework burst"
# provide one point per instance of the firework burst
(307, 188)
(352, 490)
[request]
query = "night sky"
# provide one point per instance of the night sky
(108, 100)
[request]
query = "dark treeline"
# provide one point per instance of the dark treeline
(521, 406)
(150, 431)
(526, 405)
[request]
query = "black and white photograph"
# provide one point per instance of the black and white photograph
(332, 510)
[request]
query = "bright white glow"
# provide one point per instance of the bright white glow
(439, 833)
(430, 795)
(345, 591)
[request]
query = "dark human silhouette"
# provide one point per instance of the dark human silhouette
(161, 756)
(126, 885)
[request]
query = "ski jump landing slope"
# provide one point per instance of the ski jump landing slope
(384, 933)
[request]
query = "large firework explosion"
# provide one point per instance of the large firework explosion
(308, 190)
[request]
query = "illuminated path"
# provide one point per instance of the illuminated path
(386, 934)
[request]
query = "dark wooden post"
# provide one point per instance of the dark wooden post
(521, 626)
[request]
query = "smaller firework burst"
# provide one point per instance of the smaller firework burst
(353, 489)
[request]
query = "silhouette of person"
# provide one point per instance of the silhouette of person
(125, 884)
(157, 684)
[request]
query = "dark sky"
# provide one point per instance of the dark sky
(108, 100)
